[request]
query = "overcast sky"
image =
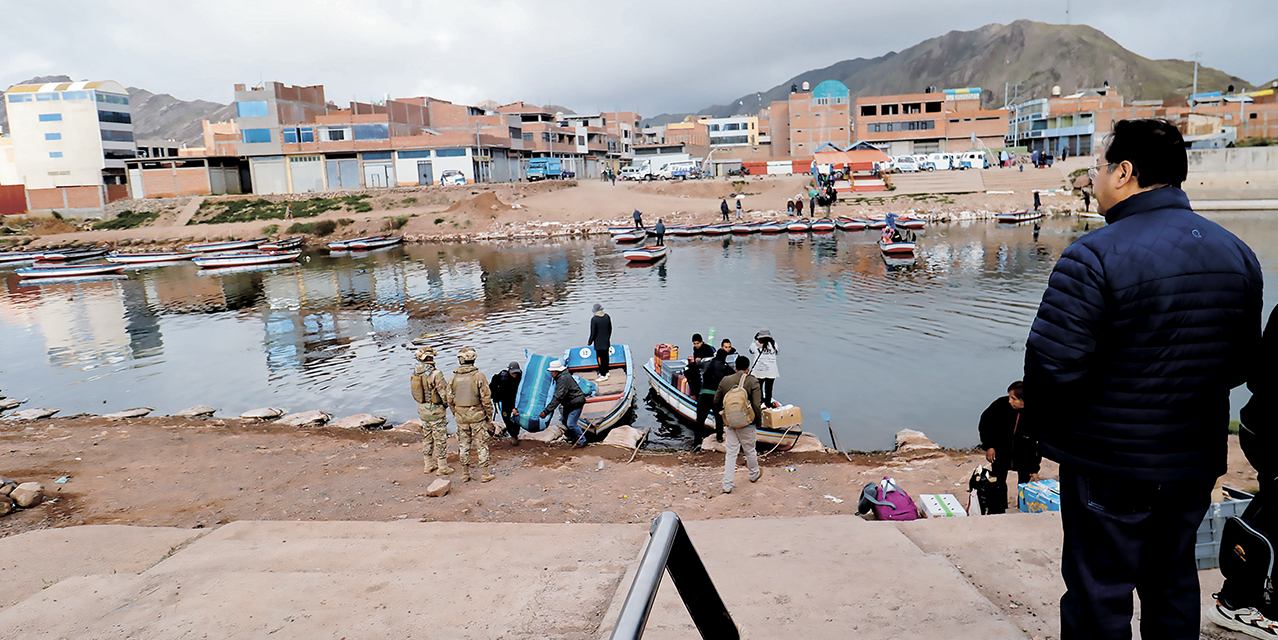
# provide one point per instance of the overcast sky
(652, 56)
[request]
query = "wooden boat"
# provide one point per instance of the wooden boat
(1086, 215)
(688, 230)
(379, 242)
(11, 257)
(1019, 216)
(686, 407)
(744, 228)
(650, 253)
(604, 410)
(152, 258)
(212, 247)
(70, 254)
(875, 223)
(344, 245)
(910, 223)
(822, 225)
(247, 259)
(282, 245)
(69, 271)
(634, 235)
(770, 227)
(899, 248)
(717, 230)
(850, 224)
(797, 226)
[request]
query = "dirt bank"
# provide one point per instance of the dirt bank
(198, 473)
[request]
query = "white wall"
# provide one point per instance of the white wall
(269, 176)
(81, 144)
(307, 173)
(8, 167)
(463, 164)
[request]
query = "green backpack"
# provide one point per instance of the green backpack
(737, 412)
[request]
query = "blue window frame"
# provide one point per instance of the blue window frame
(55, 154)
(111, 98)
(117, 136)
(450, 153)
(75, 95)
(289, 135)
(52, 136)
(370, 132)
(46, 97)
(118, 117)
(409, 155)
(252, 109)
(377, 155)
(19, 97)
(50, 117)
(254, 136)
(306, 134)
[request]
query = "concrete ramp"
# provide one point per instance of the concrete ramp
(951, 181)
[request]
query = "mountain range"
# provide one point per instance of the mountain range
(1036, 55)
(1031, 56)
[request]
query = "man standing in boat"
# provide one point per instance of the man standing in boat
(1146, 325)
(472, 406)
(430, 391)
(600, 339)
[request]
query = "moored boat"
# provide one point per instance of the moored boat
(850, 224)
(1086, 215)
(246, 259)
(377, 242)
(634, 235)
(212, 247)
(605, 408)
(10, 257)
(70, 254)
(898, 248)
(743, 228)
(650, 253)
(1019, 216)
(717, 230)
(822, 225)
(688, 230)
(282, 245)
(770, 227)
(910, 223)
(684, 405)
(797, 226)
(875, 223)
(152, 258)
(69, 270)
(344, 245)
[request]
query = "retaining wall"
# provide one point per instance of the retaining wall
(1233, 174)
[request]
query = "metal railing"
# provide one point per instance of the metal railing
(670, 549)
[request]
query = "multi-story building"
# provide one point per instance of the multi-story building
(929, 122)
(690, 132)
(623, 132)
(1073, 124)
(737, 130)
(807, 120)
(70, 134)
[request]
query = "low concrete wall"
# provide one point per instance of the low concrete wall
(1233, 174)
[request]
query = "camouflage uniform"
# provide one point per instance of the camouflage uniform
(434, 416)
(472, 406)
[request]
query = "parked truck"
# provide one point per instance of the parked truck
(545, 168)
(655, 167)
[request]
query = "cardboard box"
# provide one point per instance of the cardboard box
(1038, 497)
(941, 505)
(782, 418)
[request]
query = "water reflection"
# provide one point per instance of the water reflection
(881, 343)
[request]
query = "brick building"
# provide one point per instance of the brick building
(920, 123)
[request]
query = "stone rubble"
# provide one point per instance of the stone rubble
(198, 411)
(265, 413)
(305, 419)
(27, 494)
(439, 488)
(139, 412)
(30, 414)
(359, 421)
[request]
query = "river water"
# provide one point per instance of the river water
(924, 344)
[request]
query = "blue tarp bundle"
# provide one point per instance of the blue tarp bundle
(535, 388)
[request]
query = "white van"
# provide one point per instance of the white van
(630, 173)
(905, 164)
(937, 162)
(974, 160)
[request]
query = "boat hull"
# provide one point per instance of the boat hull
(1020, 216)
(150, 258)
(282, 245)
(379, 243)
(897, 248)
(629, 237)
(686, 407)
(246, 260)
(646, 254)
(67, 256)
(214, 247)
(70, 271)
(770, 227)
(823, 225)
(850, 224)
(797, 227)
(601, 413)
(910, 223)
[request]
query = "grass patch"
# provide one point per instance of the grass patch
(245, 210)
(318, 228)
(342, 222)
(270, 229)
(739, 185)
(439, 221)
(128, 220)
(393, 224)
(409, 201)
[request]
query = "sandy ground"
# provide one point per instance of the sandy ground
(199, 473)
(556, 208)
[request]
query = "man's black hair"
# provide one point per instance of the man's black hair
(1153, 146)
(725, 341)
(1017, 388)
(743, 363)
(696, 337)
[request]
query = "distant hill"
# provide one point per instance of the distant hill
(1035, 54)
(156, 116)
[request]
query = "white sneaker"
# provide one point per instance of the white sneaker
(601, 378)
(1247, 620)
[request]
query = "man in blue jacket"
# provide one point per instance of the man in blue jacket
(1146, 325)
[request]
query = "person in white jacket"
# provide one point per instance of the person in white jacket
(765, 365)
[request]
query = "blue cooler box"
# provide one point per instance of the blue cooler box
(1037, 497)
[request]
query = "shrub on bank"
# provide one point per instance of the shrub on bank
(244, 210)
(128, 220)
(318, 228)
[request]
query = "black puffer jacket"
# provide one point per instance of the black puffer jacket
(1145, 326)
(1259, 433)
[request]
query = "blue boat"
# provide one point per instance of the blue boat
(607, 402)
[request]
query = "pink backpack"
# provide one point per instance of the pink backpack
(893, 503)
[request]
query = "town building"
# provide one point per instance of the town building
(806, 120)
(730, 132)
(623, 128)
(1073, 124)
(948, 121)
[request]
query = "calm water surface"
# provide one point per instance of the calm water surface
(925, 344)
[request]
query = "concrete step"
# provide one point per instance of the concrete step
(1013, 179)
(937, 182)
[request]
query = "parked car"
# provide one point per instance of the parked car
(905, 164)
(630, 173)
(936, 162)
(452, 176)
(974, 160)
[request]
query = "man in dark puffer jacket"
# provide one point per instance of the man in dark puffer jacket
(1145, 326)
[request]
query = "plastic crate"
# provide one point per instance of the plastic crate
(1207, 543)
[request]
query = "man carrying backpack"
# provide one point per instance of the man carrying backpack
(739, 401)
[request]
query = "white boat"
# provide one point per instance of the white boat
(744, 228)
(69, 271)
(822, 225)
(650, 253)
(377, 242)
(896, 249)
(1087, 215)
(850, 224)
(282, 245)
(798, 226)
(1019, 216)
(686, 407)
(70, 254)
(630, 236)
(345, 245)
(10, 257)
(212, 247)
(151, 258)
(688, 230)
(771, 227)
(910, 223)
(247, 259)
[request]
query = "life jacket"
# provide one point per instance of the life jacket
(465, 393)
(737, 411)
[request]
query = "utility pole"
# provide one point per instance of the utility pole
(1067, 13)
(1192, 102)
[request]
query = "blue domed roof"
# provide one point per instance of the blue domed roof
(830, 89)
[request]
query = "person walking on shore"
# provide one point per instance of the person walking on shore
(798, 204)
(765, 352)
(430, 392)
(737, 403)
(568, 396)
(472, 406)
(1037, 203)
(505, 388)
(723, 208)
(739, 211)
(1009, 443)
(1145, 326)
(600, 339)
(1087, 199)
(638, 215)
(660, 232)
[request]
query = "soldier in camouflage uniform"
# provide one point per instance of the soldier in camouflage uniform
(472, 405)
(430, 391)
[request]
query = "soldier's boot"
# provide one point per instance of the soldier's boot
(442, 468)
(488, 476)
(430, 465)
(465, 473)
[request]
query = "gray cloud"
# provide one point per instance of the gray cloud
(655, 56)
